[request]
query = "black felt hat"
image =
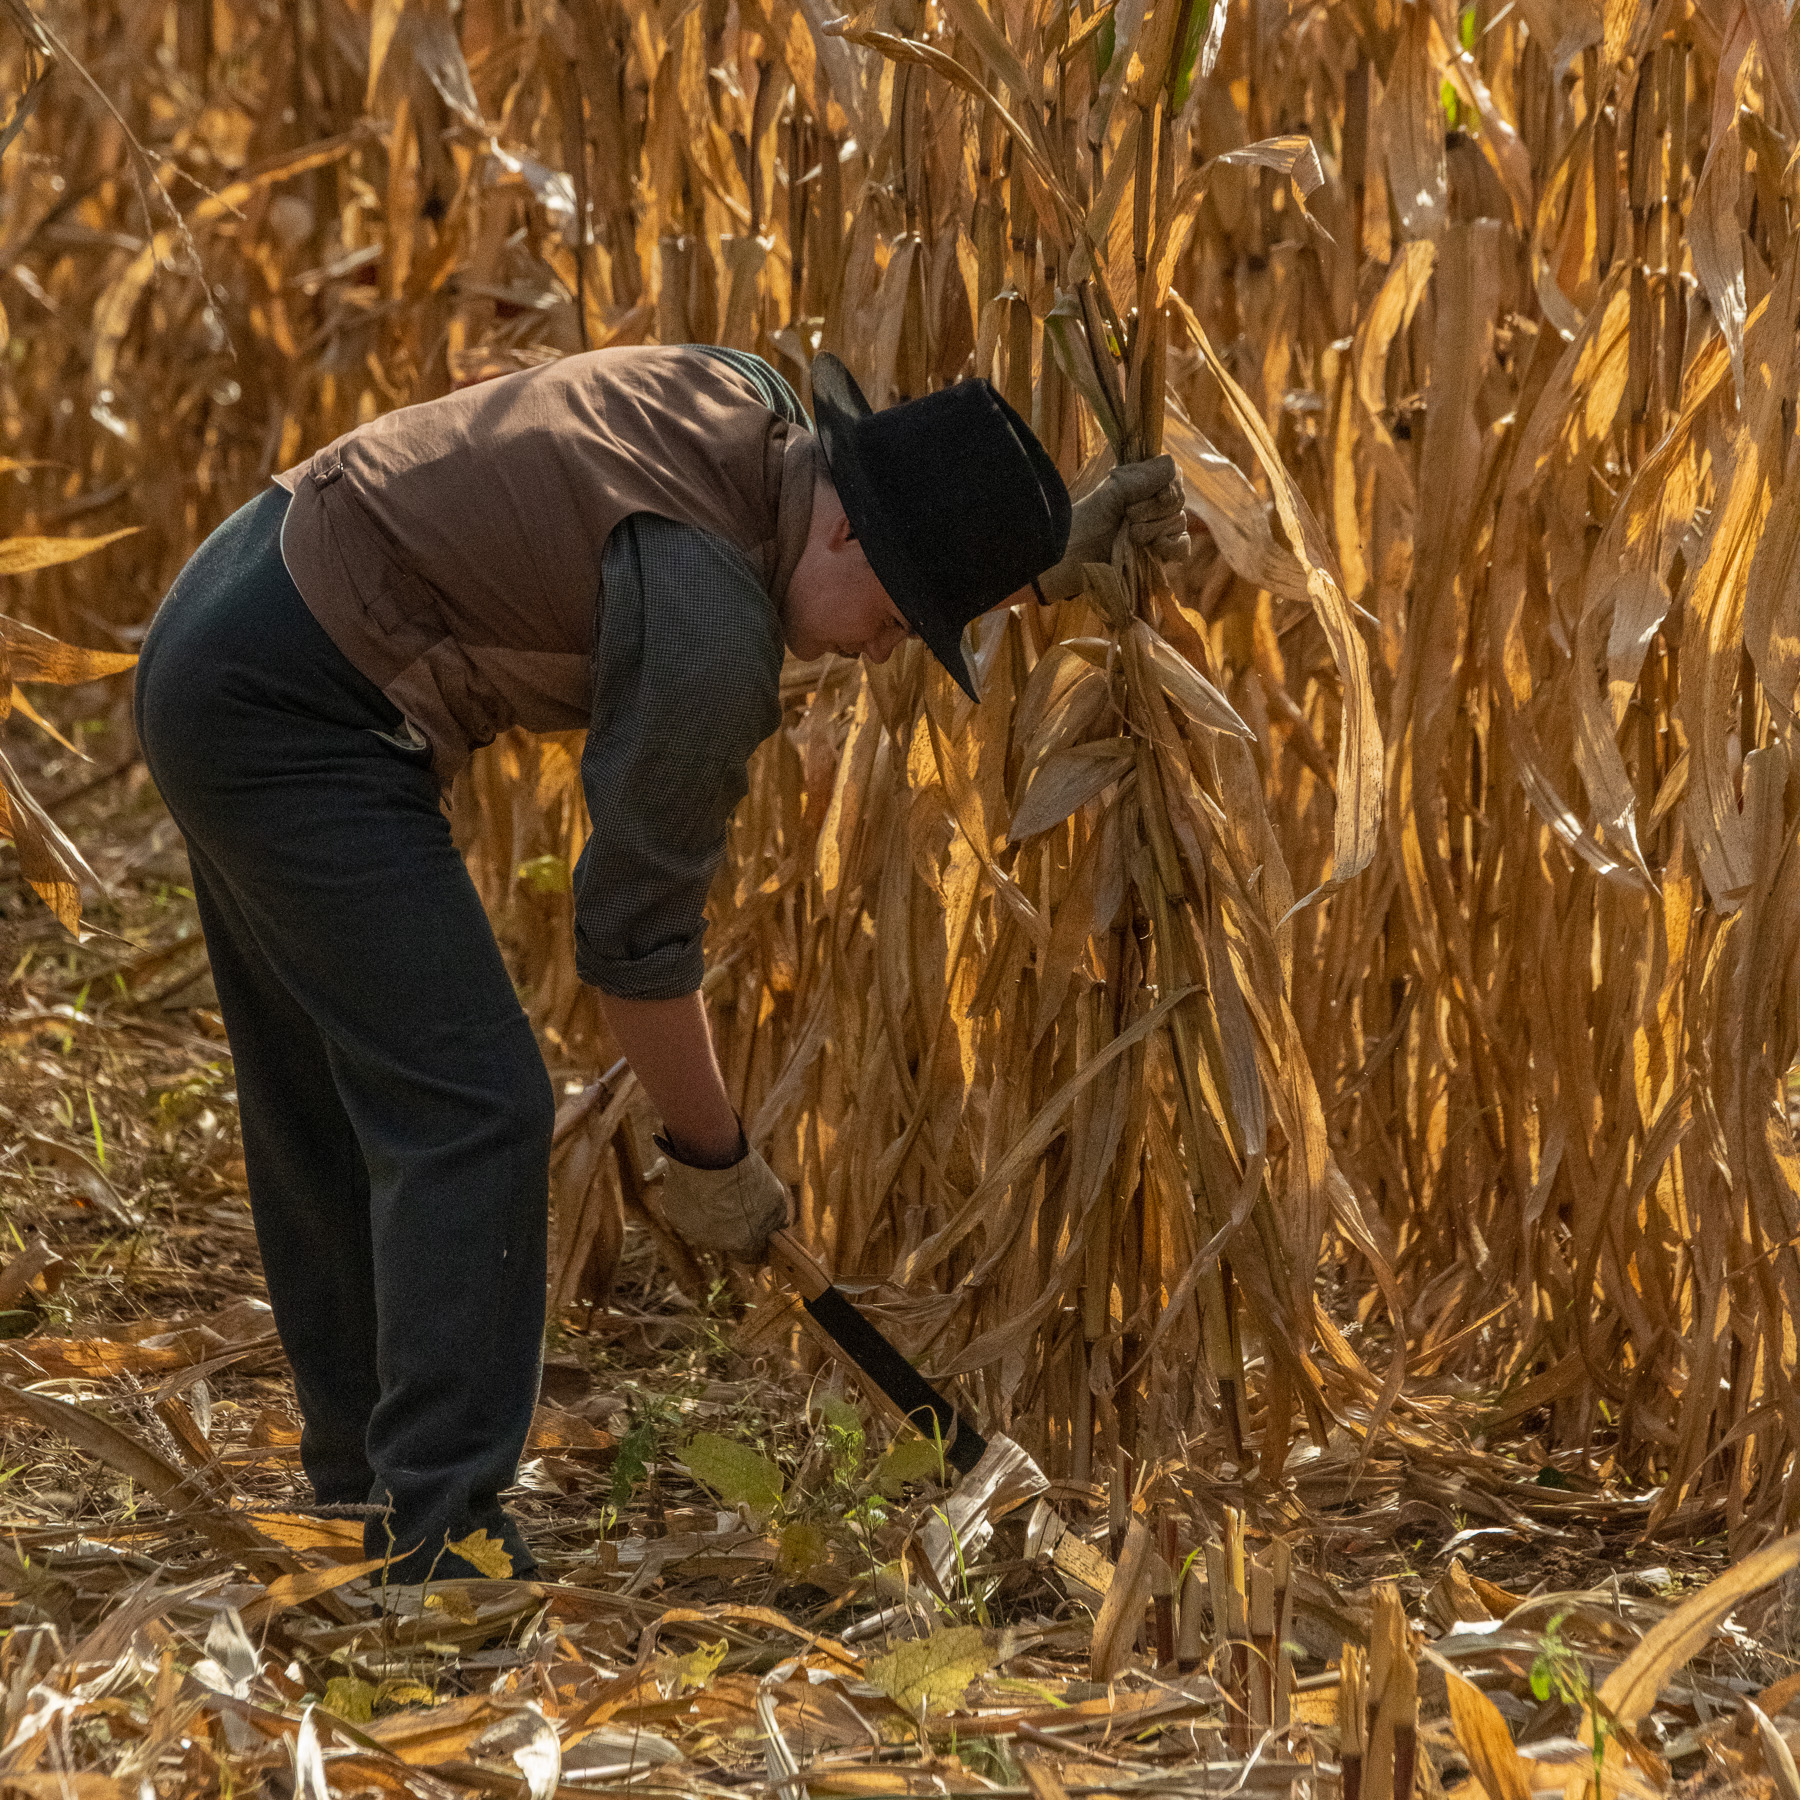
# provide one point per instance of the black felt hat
(955, 502)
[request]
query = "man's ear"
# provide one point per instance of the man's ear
(843, 533)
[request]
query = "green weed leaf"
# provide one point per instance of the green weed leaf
(804, 1547)
(1188, 59)
(636, 1449)
(687, 1674)
(350, 1699)
(1105, 42)
(934, 1672)
(917, 1459)
(838, 1413)
(739, 1475)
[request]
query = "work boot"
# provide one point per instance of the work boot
(441, 1563)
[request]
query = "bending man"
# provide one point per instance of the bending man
(624, 541)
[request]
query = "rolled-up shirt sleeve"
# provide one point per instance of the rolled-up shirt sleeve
(687, 683)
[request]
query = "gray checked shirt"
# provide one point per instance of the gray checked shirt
(687, 683)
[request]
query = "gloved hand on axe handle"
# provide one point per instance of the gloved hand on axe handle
(1144, 497)
(717, 1191)
(732, 1209)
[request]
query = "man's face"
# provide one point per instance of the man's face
(864, 621)
(836, 605)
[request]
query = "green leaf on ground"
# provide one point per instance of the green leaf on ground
(686, 1674)
(804, 1547)
(933, 1672)
(917, 1459)
(837, 1412)
(739, 1475)
(636, 1449)
(349, 1699)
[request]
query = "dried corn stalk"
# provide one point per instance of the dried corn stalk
(53, 867)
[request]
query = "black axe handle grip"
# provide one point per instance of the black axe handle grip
(875, 1356)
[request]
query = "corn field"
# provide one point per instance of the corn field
(1336, 992)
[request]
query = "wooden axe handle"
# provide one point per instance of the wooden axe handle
(809, 1276)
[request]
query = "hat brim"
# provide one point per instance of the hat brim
(838, 406)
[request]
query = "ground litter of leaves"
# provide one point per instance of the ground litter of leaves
(730, 1593)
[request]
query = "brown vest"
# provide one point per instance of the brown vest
(452, 549)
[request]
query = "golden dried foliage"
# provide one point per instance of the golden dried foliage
(1407, 897)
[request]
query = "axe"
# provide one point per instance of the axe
(879, 1360)
(997, 1474)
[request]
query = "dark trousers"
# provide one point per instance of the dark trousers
(396, 1113)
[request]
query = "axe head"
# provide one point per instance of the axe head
(1004, 1478)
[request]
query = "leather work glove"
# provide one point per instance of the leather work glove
(732, 1209)
(1147, 498)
